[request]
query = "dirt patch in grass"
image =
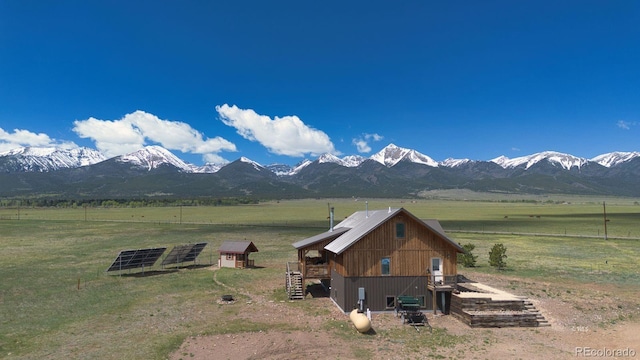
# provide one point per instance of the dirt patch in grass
(582, 316)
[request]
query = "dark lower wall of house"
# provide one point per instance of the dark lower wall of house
(378, 290)
(337, 290)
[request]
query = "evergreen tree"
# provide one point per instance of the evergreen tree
(497, 256)
(467, 259)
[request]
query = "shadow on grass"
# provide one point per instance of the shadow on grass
(148, 273)
(189, 267)
(371, 332)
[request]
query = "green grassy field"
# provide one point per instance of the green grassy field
(56, 301)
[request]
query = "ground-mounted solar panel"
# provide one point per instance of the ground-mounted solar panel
(131, 259)
(183, 253)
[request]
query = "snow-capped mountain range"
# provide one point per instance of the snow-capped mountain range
(34, 159)
(391, 172)
(565, 161)
(43, 159)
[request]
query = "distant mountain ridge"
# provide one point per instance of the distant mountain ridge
(43, 159)
(391, 172)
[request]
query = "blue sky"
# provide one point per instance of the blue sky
(279, 81)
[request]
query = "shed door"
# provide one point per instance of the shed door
(436, 268)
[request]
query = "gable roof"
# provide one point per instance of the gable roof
(362, 223)
(237, 247)
(320, 237)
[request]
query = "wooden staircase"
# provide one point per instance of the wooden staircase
(528, 305)
(294, 285)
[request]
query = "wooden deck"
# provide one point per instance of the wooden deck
(479, 305)
(448, 283)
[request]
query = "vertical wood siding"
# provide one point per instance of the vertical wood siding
(410, 256)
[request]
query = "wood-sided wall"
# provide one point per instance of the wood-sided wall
(409, 256)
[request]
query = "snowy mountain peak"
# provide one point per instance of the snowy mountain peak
(152, 157)
(501, 160)
(329, 158)
(31, 151)
(208, 168)
(251, 162)
(303, 164)
(44, 159)
(347, 161)
(615, 158)
(392, 154)
(566, 161)
(451, 162)
(353, 160)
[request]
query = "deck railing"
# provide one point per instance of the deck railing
(447, 280)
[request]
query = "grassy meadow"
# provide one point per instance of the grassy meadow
(56, 301)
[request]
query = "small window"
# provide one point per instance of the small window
(391, 302)
(386, 266)
(400, 230)
(229, 256)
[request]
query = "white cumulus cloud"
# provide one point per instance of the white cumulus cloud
(362, 143)
(133, 131)
(286, 135)
(20, 137)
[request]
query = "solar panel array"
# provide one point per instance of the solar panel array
(182, 253)
(131, 259)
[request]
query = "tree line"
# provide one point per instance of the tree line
(125, 203)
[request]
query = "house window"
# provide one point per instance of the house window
(391, 302)
(386, 266)
(229, 256)
(399, 230)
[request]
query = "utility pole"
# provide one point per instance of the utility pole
(604, 209)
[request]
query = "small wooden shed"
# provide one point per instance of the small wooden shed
(235, 254)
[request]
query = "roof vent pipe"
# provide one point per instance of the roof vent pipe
(331, 219)
(366, 207)
(389, 209)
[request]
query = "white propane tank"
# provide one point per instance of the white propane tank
(360, 321)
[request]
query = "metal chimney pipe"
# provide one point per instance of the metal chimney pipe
(366, 206)
(331, 219)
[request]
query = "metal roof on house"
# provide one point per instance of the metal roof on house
(320, 237)
(435, 226)
(237, 247)
(363, 222)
